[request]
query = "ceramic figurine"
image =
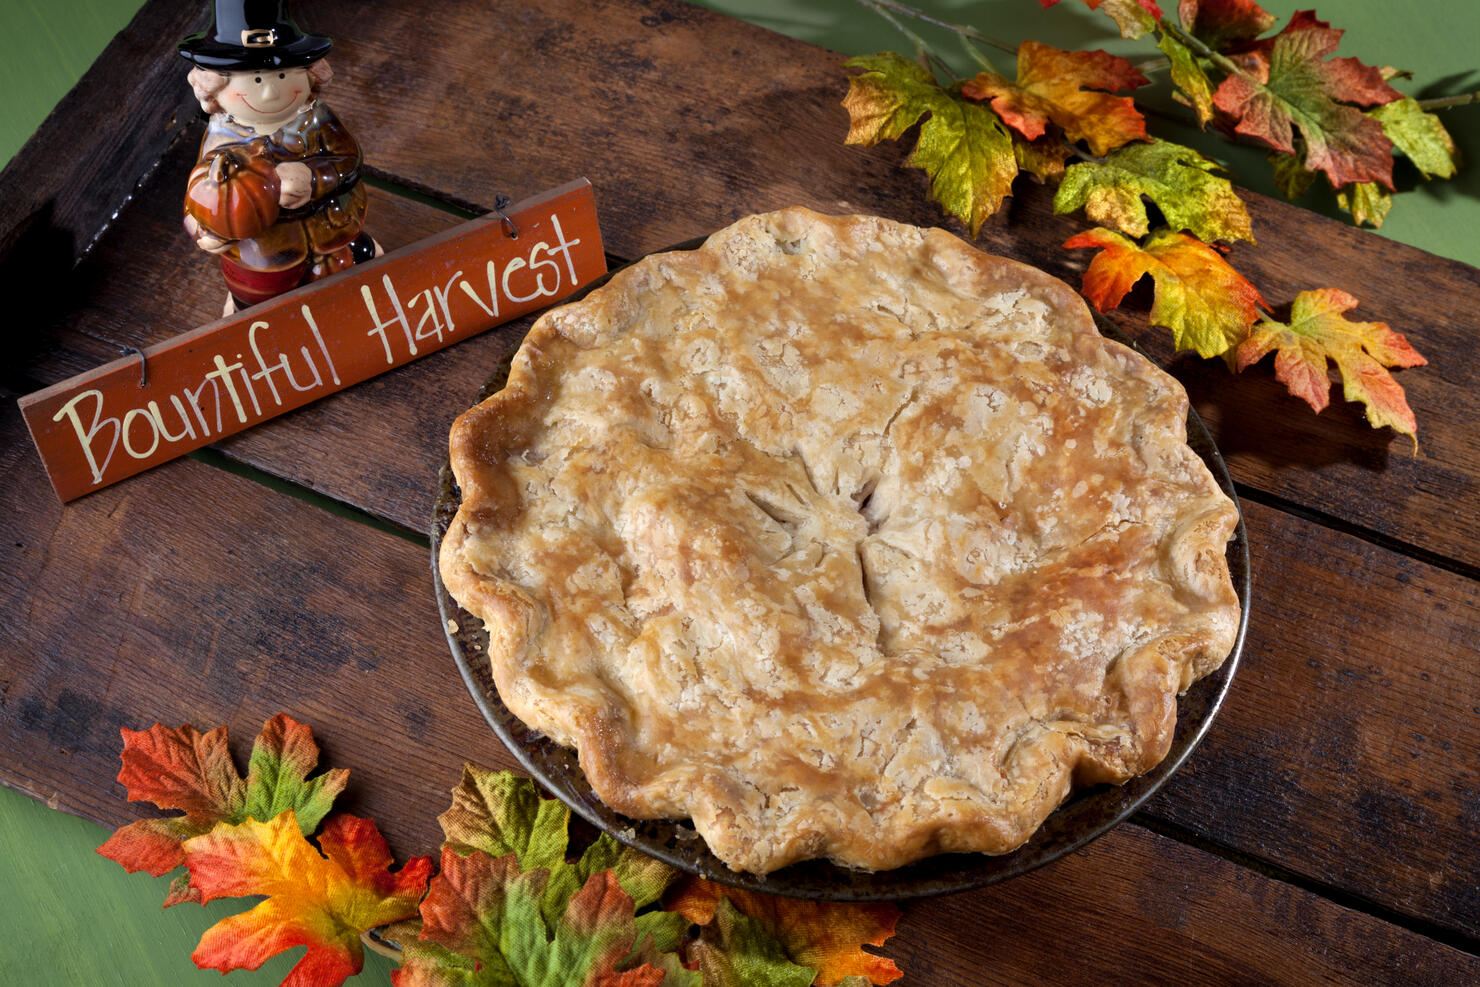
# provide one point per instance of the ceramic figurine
(276, 190)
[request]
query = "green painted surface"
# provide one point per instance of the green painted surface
(71, 917)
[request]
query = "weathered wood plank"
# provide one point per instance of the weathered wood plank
(85, 159)
(685, 119)
(1135, 907)
(1348, 750)
(192, 595)
(223, 604)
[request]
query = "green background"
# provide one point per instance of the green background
(67, 916)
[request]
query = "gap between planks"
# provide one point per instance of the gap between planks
(1385, 542)
(1345, 899)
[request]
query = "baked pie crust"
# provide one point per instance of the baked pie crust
(843, 539)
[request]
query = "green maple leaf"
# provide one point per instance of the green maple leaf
(1419, 135)
(1177, 179)
(497, 813)
(735, 951)
(962, 146)
(1188, 76)
(1366, 201)
(1293, 84)
(487, 910)
(186, 770)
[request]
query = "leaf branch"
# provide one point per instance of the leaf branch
(923, 50)
(1445, 102)
(963, 30)
(1196, 44)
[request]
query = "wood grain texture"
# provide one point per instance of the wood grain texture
(1134, 907)
(686, 120)
(192, 595)
(1351, 727)
(60, 191)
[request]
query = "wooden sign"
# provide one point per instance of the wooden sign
(103, 426)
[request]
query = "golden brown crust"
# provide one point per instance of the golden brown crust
(843, 539)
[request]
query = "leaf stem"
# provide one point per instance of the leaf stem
(961, 29)
(1217, 58)
(923, 51)
(1445, 102)
(373, 941)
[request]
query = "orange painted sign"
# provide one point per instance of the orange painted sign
(103, 426)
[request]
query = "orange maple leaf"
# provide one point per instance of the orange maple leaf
(321, 900)
(824, 935)
(1206, 303)
(1070, 89)
(1319, 331)
(182, 768)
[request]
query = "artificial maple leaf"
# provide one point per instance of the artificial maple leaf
(497, 812)
(1367, 202)
(1071, 89)
(962, 147)
(1192, 83)
(488, 910)
(190, 771)
(1135, 18)
(322, 900)
(826, 935)
(1419, 135)
(1206, 304)
(1319, 331)
(1290, 174)
(734, 951)
(1224, 24)
(1043, 158)
(1177, 179)
(1290, 82)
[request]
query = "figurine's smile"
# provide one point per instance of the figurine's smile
(265, 100)
(269, 109)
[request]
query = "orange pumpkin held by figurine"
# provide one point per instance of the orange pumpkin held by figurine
(233, 195)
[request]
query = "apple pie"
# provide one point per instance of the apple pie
(843, 539)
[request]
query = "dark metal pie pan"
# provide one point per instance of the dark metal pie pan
(1087, 814)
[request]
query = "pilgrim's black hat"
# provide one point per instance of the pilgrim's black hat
(253, 34)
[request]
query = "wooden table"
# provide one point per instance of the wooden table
(1324, 830)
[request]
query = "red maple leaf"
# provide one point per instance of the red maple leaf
(1224, 24)
(1290, 81)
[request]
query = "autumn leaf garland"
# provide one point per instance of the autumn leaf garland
(1064, 119)
(511, 903)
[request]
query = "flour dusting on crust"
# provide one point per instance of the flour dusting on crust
(842, 538)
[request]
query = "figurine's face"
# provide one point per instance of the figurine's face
(267, 99)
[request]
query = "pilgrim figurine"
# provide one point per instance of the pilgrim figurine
(276, 190)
